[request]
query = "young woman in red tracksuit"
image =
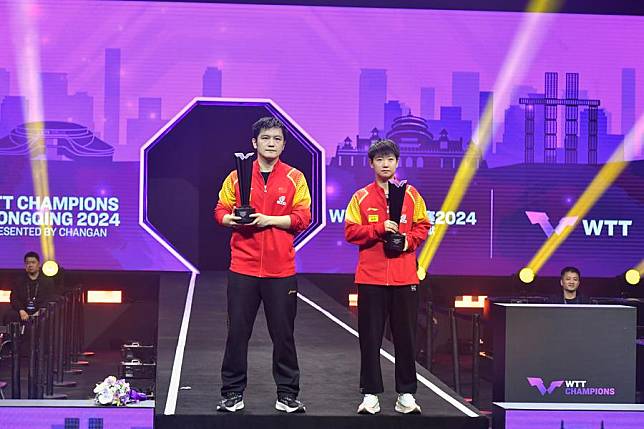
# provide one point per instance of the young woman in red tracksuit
(262, 267)
(387, 282)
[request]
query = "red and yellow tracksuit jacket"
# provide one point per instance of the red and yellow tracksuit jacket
(267, 252)
(364, 225)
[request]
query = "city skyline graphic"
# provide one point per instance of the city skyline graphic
(123, 103)
(77, 110)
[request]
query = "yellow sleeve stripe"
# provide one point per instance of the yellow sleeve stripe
(420, 209)
(302, 195)
(353, 210)
(227, 192)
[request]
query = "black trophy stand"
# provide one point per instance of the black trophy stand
(244, 164)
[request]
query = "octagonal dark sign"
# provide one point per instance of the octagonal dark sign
(185, 163)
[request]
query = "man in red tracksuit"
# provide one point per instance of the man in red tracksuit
(262, 267)
(387, 281)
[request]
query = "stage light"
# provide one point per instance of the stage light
(601, 182)
(526, 275)
(468, 301)
(104, 296)
(353, 300)
(50, 268)
(632, 277)
(524, 46)
(421, 272)
(5, 296)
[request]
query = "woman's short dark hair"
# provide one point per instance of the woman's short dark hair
(383, 147)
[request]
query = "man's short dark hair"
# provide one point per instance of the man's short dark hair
(570, 270)
(31, 254)
(266, 123)
(382, 148)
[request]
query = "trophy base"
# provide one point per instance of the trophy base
(244, 213)
(395, 242)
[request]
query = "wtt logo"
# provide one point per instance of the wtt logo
(570, 387)
(592, 227)
(541, 387)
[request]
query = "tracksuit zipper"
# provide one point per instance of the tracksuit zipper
(261, 251)
(387, 211)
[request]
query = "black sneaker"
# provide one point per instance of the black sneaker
(231, 402)
(289, 404)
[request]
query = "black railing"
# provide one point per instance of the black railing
(453, 317)
(54, 339)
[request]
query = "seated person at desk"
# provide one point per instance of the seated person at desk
(31, 291)
(569, 280)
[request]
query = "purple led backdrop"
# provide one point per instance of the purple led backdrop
(541, 419)
(80, 417)
(127, 67)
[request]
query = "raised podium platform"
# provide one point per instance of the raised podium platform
(564, 353)
(516, 415)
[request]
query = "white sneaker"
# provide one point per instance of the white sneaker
(370, 405)
(406, 404)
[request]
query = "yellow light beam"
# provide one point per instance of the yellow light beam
(602, 181)
(640, 267)
(518, 59)
(27, 47)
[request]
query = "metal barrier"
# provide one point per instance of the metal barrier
(14, 330)
(32, 373)
(76, 343)
(453, 317)
(52, 310)
(55, 339)
(476, 359)
(455, 354)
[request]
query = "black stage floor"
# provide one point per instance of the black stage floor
(329, 363)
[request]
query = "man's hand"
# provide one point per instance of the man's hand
(23, 315)
(391, 226)
(230, 220)
(261, 220)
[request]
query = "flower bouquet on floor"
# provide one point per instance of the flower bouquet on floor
(113, 391)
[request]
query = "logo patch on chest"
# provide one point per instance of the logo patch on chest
(281, 200)
(403, 218)
(373, 218)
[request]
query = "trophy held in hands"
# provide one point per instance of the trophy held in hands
(394, 241)
(244, 164)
